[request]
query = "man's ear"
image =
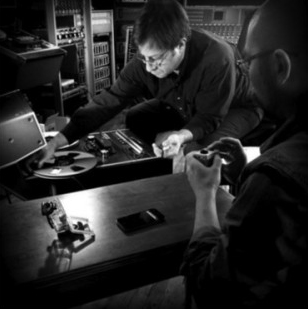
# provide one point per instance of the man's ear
(282, 66)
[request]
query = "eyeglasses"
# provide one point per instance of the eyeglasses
(156, 62)
(246, 61)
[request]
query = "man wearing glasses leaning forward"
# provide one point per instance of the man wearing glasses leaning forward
(193, 89)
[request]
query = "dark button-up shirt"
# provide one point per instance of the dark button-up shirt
(207, 85)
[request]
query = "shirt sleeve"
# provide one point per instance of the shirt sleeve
(129, 85)
(246, 261)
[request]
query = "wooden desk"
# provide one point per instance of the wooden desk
(114, 262)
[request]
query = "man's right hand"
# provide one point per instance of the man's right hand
(234, 155)
(39, 158)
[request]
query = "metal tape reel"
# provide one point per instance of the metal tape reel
(66, 164)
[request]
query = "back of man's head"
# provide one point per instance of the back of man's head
(279, 27)
(282, 24)
(162, 23)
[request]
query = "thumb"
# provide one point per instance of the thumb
(157, 151)
(40, 163)
(217, 162)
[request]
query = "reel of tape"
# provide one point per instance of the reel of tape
(66, 164)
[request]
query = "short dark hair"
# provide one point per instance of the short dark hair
(282, 24)
(163, 23)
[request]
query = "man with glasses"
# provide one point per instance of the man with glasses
(192, 88)
(257, 257)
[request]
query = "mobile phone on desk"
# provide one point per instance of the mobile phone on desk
(140, 220)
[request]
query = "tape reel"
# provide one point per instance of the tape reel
(66, 164)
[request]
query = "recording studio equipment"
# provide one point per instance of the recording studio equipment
(22, 57)
(121, 156)
(20, 131)
(65, 164)
(116, 147)
(69, 21)
(130, 48)
(101, 158)
(102, 27)
(225, 18)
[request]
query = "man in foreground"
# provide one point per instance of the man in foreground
(257, 258)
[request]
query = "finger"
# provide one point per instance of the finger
(31, 162)
(166, 148)
(225, 147)
(45, 158)
(157, 151)
(192, 153)
(165, 143)
(220, 146)
(189, 163)
(40, 163)
(25, 167)
(217, 162)
(174, 150)
(212, 146)
(232, 142)
(190, 158)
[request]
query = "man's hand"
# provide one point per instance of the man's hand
(39, 158)
(168, 144)
(203, 177)
(171, 146)
(234, 156)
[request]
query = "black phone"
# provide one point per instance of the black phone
(140, 220)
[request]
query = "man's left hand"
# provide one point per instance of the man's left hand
(168, 147)
(168, 144)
